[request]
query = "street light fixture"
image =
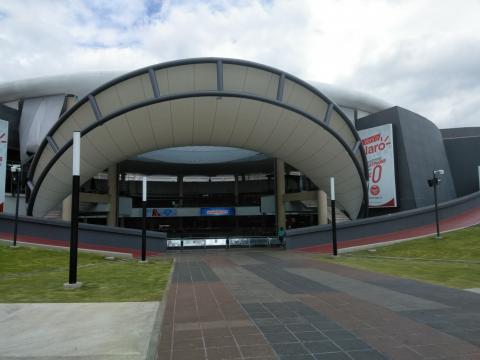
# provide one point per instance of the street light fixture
(16, 173)
(433, 182)
(334, 220)
(144, 219)
(72, 271)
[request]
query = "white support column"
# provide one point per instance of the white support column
(280, 193)
(112, 195)
(67, 208)
(322, 207)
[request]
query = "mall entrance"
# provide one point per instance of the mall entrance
(197, 197)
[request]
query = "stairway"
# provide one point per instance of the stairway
(339, 214)
(54, 214)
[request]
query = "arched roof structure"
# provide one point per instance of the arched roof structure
(206, 101)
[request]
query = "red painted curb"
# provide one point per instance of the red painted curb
(136, 253)
(466, 219)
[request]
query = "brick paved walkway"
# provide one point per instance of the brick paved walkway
(283, 305)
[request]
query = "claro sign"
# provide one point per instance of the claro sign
(378, 145)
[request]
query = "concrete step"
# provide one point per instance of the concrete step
(340, 215)
(54, 214)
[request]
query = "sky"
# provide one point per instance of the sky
(423, 55)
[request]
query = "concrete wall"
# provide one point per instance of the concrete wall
(463, 151)
(11, 202)
(58, 232)
(380, 225)
(419, 149)
(460, 132)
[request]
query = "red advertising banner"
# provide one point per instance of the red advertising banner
(378, 145)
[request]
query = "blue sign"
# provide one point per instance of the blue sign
(217, 211)
(161, 212)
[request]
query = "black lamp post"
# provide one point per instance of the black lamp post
(433, 182)
(16, 173)
(72, 274)
(144, 219)
(334, 219)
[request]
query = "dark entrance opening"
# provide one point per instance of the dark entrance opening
(221, 196)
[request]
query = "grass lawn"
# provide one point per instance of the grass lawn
(37, 275)
(413, 259)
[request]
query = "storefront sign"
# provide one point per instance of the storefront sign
(3, 161)
(217, 211)
(161, 212)
(378, 145)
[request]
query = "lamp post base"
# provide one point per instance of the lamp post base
(68, 286)
(143, 261)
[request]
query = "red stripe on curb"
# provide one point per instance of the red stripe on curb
(63, 243)
(463, 220)
(466, 219)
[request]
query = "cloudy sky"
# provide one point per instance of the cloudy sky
(420, 54)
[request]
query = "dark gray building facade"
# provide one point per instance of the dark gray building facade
(463, 151)
(419, 149)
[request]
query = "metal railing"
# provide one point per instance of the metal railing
(226, 242)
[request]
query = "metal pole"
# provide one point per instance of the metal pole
(275, 195)
(435, 182)
(334, 220)
(144, 218)
(478, 178)
(15, 229)
(72, 276)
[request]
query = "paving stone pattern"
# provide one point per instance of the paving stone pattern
(279, 305)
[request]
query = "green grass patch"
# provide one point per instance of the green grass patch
(452, 261)
(456, 245)
(37, 275)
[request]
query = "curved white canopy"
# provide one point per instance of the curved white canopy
(204, 102)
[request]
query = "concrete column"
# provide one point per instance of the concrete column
(112, 195)
(180, 190)
(280, 193)
(67, 208)
(322, 207)
(235, 190)
(301, 187)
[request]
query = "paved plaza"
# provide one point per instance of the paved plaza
(56, 331)
(284, 305)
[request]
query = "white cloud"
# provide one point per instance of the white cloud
(420, 54)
